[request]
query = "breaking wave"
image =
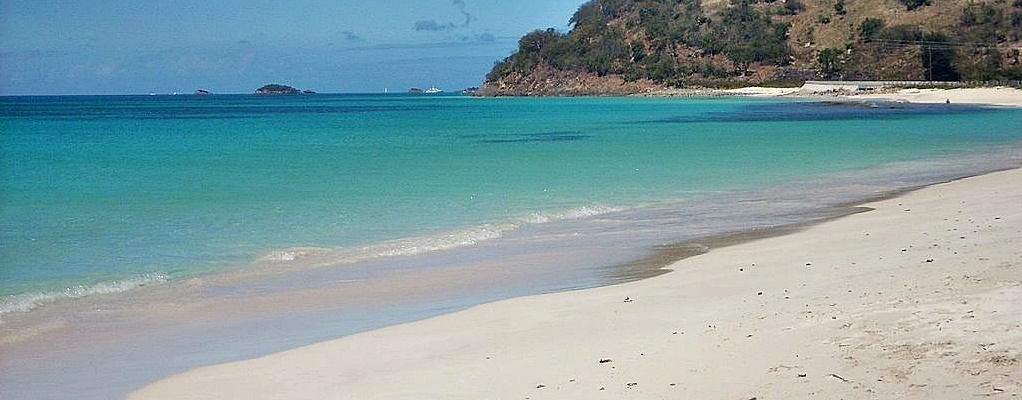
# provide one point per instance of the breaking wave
(574, 213)
(438, 242)
(25, 302)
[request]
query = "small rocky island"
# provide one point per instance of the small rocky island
(274, 88)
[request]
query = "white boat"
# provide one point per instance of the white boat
(433, 89)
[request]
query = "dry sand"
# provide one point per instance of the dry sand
(999, 96)
(996, 96)
(920, 298)
(756, 91)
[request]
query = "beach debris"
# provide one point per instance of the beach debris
(839, 377)
(540, 386)
(631, 384)
(803, 375)
(782, 366)
(759, 293)
(628, 299)
(605, 360)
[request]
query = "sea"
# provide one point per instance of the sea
(142, 236)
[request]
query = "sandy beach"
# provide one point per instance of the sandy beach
(999, 96)
(995, 96)
(915, 298)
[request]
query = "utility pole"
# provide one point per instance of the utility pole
(929, 55)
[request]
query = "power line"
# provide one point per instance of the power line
(933, 43)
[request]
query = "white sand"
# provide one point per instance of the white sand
(1000, 96)
(920, 298)
(756, 91)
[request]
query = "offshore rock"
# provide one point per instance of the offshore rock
(274, 88)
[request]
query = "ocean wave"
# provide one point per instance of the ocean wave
(447, 241)
(25, 302)
(574, 213)
(439, 242)
(294, 253)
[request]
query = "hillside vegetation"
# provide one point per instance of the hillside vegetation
(629, 46)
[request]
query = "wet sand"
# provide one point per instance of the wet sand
(917, 298)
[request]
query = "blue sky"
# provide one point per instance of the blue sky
(235, 46)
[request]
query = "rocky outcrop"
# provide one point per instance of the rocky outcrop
(553, 82)
(274, 88)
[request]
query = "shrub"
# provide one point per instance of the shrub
(914, 4)
(870, 27)
(796, 6)
(839, 7)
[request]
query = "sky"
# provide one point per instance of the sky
(235, 46)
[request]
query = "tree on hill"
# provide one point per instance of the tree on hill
(641, 39)
(682, 42)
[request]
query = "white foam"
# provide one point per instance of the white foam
(294, 253)
(28, 301)
(425, 244)
(472, 236)
(311, 256)
(447, 241)
(574, 213)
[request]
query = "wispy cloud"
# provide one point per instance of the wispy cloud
(460, 4)
(431, 25)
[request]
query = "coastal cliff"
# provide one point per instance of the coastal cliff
(633, 46)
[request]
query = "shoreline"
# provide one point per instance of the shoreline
(990, 96)
(913, 299)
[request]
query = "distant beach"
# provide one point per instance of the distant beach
(997, 96)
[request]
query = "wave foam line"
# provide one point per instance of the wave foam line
(440, 242)
(574, 213)
(25, 302)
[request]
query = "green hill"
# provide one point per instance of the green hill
(629, 46)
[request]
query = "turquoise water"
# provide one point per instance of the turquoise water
(227, 227)
(104, 194)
